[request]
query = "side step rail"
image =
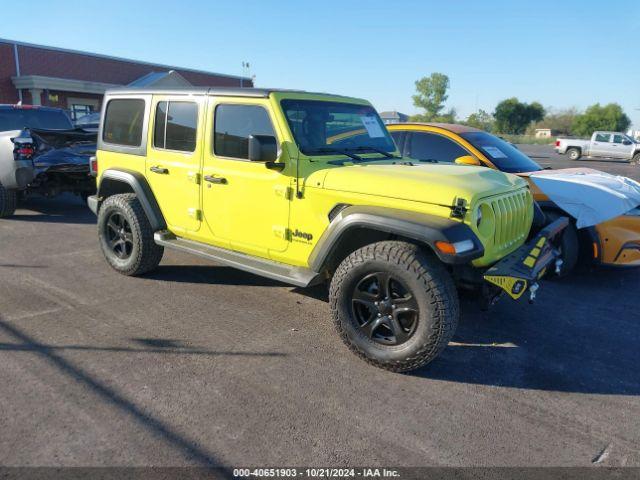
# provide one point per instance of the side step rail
(298, 276)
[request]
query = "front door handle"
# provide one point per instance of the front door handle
(160, 170)
(212, 179)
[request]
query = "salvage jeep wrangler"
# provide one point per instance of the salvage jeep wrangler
(247, 178)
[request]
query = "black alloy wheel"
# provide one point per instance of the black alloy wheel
(119, 235)
(386, 310)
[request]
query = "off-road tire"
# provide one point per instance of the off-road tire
(145, 253)
(8, 201)
(636, 159)
(429, 282)
(569, 245)
(574, 154)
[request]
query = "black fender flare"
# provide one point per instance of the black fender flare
(421, 227)
(139, 185)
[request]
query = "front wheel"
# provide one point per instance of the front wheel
(569, 245)
(393, 305)
(636, 159)
(8, 201)
(574, 154)
(126, 236)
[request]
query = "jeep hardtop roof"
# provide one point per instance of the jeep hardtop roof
(218, 92)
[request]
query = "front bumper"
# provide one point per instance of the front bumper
(520, 271)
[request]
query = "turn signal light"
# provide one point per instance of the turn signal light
(453, 248)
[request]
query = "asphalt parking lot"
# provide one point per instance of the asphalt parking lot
(202, 364)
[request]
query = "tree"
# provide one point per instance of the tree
(560, 121)
(596, 117)
(431, 94)
(513, 116)
(480, 119)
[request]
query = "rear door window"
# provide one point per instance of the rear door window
(431, 146)
(123, 122)
(175, 126)
(603, 137)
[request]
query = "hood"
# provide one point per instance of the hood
(431, 183)
(589, 196)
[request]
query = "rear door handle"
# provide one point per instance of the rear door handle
(160, 170)
(212, 179)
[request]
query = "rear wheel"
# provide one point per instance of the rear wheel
(8, 201)
(636, 159)
(393, 305)
(126, 236)
(574, 153)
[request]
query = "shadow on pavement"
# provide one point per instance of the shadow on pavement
(211, 274)
(65, 208)
(567, 343)
(108, 394)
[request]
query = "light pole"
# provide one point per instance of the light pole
(245, 72)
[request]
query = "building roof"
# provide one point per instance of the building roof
(393, 114)
(160, 79)
(120, 59)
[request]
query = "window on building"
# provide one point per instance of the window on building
(431, 146)
(123, 122)
(175, 126)
(233, 126)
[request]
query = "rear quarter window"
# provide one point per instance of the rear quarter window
(123, 122)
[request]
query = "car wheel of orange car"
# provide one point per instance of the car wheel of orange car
(569, 245)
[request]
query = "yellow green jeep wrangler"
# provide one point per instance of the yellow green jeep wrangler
(248, 178)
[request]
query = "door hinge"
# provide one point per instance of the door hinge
(195, 213)
(283, 191)
(193, 177)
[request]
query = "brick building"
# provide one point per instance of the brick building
(56, 77)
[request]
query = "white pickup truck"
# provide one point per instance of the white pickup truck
(602, 144)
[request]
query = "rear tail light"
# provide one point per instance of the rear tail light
(23, 146)
(93, 166)
(557, 143)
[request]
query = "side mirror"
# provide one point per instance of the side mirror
(262, 148)
(468, 160)
(626, 142)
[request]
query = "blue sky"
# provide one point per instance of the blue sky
(562, 53)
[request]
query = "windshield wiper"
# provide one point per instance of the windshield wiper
(355, 157)
(376, 150)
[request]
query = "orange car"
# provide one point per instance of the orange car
(615, 242)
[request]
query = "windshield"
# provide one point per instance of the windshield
(502, 154)
(330, 128)
(19, 118)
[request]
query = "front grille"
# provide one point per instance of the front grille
(513, 213)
